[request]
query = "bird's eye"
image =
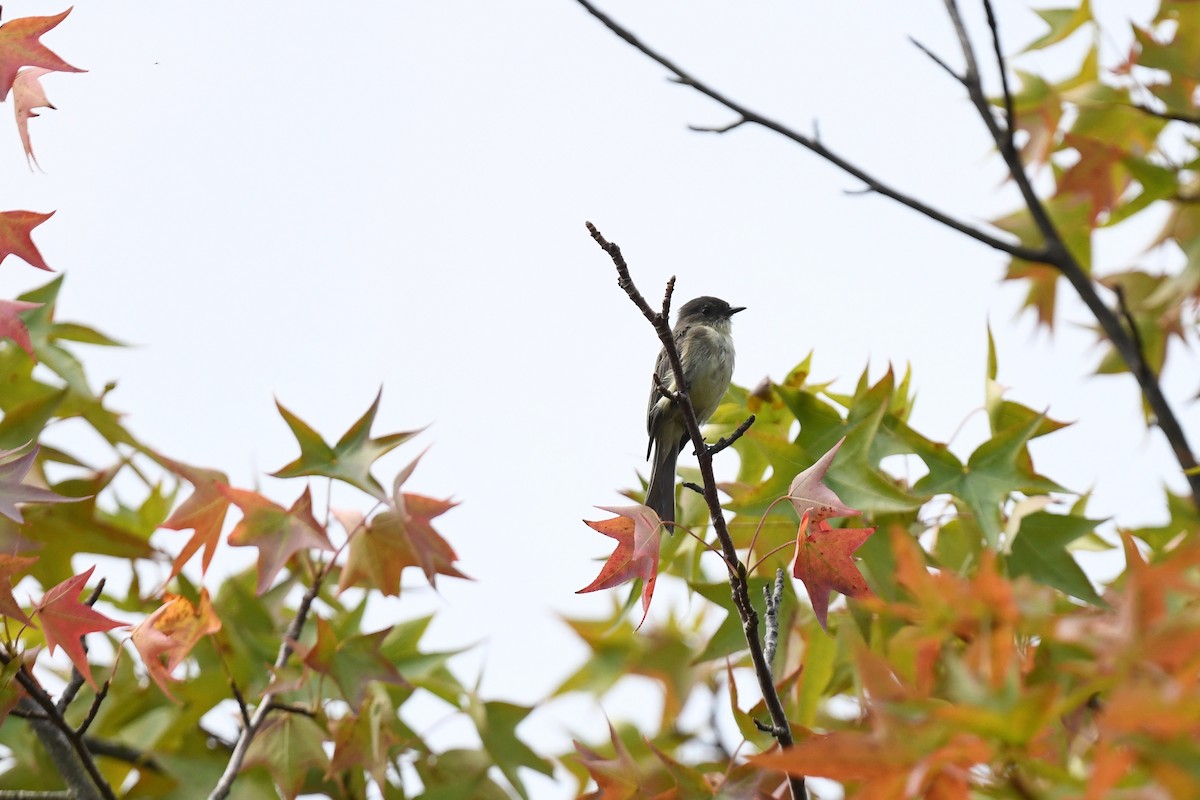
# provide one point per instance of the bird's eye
(706, 310)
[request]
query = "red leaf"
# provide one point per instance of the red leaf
(278, 533)
(65, 619)
(28, 94)
(13, 327)
(203, 513)
(638, 531)
(823, 562)
(10, 566)
(170, 633)
(810, 496)
(16, 232)
(19, 47)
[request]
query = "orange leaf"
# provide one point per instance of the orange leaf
(16, 233)
(278, 533)
(638, 531)
(823, 562)
(65, 619)
(19, 47)
(203, 513)
(165, 638)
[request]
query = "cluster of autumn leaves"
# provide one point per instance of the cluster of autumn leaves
(822, 558)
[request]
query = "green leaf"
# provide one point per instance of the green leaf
(820, 653)
(350, 460)
(289, 745)
(1039, 550)
(497, 725)
(1062, 21)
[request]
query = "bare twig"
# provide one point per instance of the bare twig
(935, 58)
(739, 585)
(814, 144)
(1059, 256)
(265, 705)
(1142, 366)
(1053, 252)
(1010, 116)
(720, 129)
(64, 752)
(725, 441)
(1176, 116)
(95, 708)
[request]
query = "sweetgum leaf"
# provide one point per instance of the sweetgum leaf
(16, 227)
(638, 532)
(64, 620)
(20, 47)
(12, 326)
(352, 662)
(1039, 550)
(824, 563)
(166, 637)
(203, 513)
(9, 567)
(29, 94)
(278, 533)
(350, 460)
(12, 490)
(289, 745)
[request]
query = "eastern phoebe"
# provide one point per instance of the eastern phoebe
(706, 352)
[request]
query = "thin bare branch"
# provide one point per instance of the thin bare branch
(1053, 252)
(265, 706)
(94, 709)
(814, 144)
(935, 58)
(1058, 255)
(739, 585)
(726, 441)
(1010, 116)
(722, 129)
(772, 596)
(1175, 116)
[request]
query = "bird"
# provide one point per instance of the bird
(702, 337)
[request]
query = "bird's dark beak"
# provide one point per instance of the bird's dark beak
(733, 311)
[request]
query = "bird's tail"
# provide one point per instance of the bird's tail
(660, 494)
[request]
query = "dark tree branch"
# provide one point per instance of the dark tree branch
(726, 441)
(95, 708)
(1060, 257)
(1175, 116)
(1010, 116)
(122, 752)
(739, 585)
(1053, 252)
(935, 58)
(814, 144)
(65, 746)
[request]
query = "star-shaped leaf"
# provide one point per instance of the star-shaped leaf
(997, 468)
(165, 638)
(638, 531)
(65, 620)
(203, 513)
(352, 662)
(19, 47)
(350, 460)
(13, 491)
(10, 566)
(823, 562)
(16, 233)
(810, 496)
(401, 536)
(13, 327)
(278, 533)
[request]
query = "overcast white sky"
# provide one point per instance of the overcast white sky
(305, 201)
